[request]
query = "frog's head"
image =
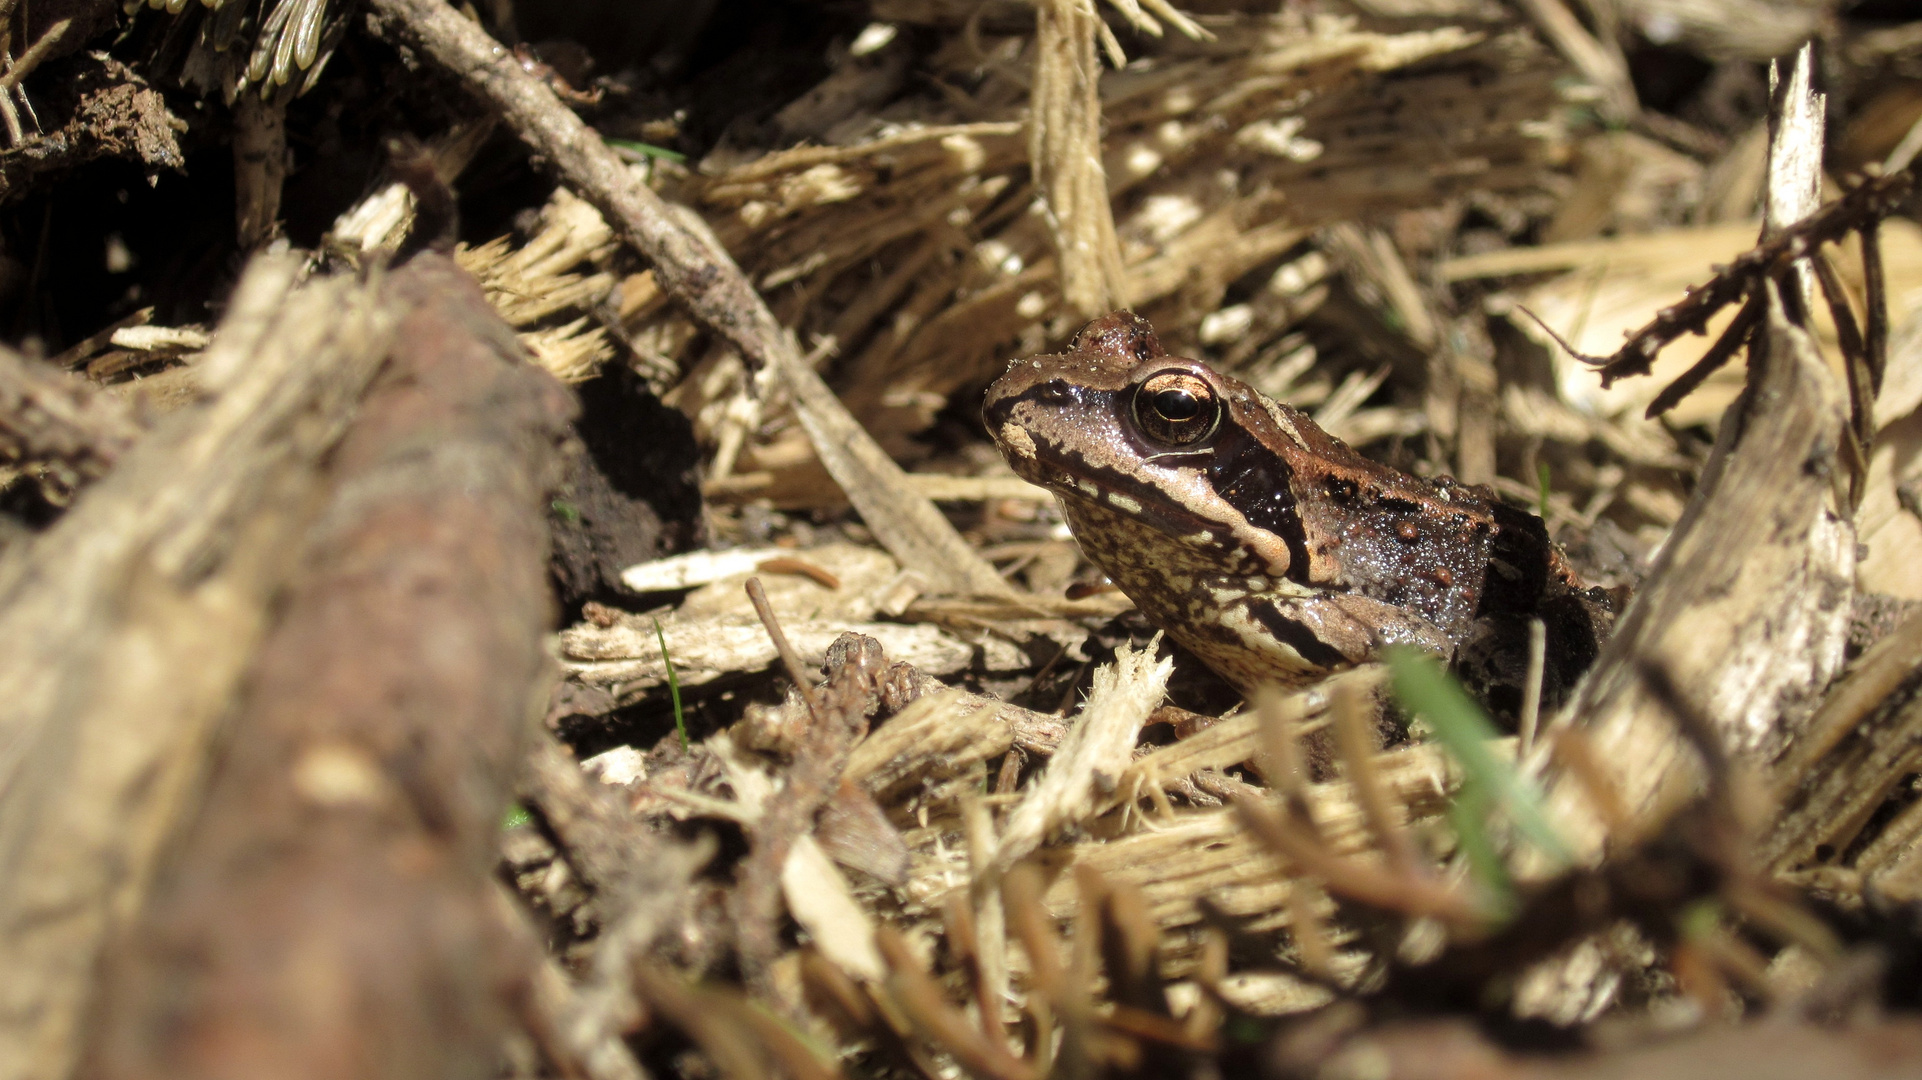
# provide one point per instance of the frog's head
(1163, 441)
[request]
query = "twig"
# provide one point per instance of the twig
(701, 277)
(831, 986)
(1734, 336)
(700, 274)
(1357, 752)
(50, 39)
(1129, 940)
(1021, 899)
(1872, 200)
(695, 1013)
(839, 714)
(989, 919)
(1855, 353)
(1758, 902)
(1077, 1052)
(778, 1041)
(1905, 150)
(965, 947)
(789, 658)
(1709, 954)
(1280, 718)
(1875, 329)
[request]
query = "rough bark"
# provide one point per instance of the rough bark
(328, 911)
(130, 622)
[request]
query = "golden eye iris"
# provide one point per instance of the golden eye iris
(1176, 409)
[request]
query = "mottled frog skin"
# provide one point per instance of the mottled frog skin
(1267, 547)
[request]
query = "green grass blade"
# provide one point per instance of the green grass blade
(648, 150)
(673, 684)
(1461, 726)
(1468, 816)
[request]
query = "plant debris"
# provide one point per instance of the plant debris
(331, 327)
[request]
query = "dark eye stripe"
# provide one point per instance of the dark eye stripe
(1256, 481)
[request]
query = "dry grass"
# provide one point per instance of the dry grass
(1418, 220)
(1325, 209)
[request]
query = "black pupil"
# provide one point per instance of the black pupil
(1177, 404)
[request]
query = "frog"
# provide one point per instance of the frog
(1269, 549)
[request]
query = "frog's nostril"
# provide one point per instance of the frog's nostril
(1056, 393)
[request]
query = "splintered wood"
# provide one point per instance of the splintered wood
(271, 670)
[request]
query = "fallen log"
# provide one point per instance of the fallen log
(329, 910)
(272, 681)
(130, 621)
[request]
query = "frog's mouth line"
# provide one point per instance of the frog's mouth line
(1070, 476)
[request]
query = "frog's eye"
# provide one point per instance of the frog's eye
(1176, 408)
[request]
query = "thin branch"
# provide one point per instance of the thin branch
(1872, 201)
(1875, 285)
(965, 946)
(699, 273)
(789, 658)
(1021, 899)
(922, 1001)
(839, 719)
(1848, 336)
(1734, 336)
(703, 278)
(1357, 753)
(1532, 687)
